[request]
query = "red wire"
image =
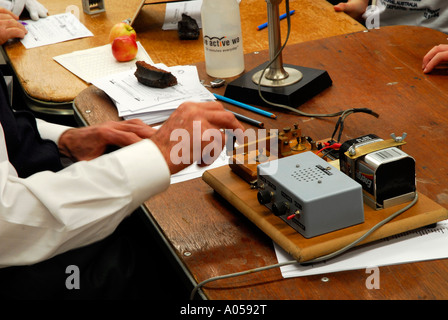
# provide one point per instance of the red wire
(329, 146)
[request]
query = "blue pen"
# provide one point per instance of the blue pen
(283, 16)
(245, 106)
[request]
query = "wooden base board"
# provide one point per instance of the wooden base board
(238, 192)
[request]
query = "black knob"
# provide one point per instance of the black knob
(280, 208)
(264, 196)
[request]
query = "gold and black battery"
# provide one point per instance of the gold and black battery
(385, 171)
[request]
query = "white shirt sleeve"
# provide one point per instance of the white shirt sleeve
(50, 213)
(50, 131)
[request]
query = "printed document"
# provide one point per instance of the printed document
(53, 29)
(152, 105)
(173, 13)
(98, 62)
(412, 246)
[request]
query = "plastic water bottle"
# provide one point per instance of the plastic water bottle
(223, 42)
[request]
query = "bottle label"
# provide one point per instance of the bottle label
(221, 44)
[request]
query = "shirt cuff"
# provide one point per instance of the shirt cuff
(146, 169)
(51, 131)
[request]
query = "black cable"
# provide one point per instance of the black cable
(319, 259)
(340, 123)
(335, 114)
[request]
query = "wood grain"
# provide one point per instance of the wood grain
(381, 70)
(44, 79)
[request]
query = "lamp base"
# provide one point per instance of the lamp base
(314, 81)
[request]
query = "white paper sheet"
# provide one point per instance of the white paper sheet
(53, 29)
(417, 245)
(173, 13)
(152, 105)
(98, 62)
(195, 171)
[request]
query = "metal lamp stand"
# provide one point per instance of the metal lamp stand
(285, 84)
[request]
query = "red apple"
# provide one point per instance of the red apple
(122, 29)
(124, 48)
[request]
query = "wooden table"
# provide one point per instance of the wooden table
(379, 69)
(44, 80)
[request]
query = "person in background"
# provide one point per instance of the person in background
(435, 57)
(354, 8)
(34, 8)
(427, 13)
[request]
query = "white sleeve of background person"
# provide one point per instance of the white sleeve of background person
(35, 9)
(15, 6)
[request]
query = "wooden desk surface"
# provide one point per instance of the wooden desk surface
(44, 79)
(381, 70)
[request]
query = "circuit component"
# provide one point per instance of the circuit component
(93, 6)
(309, 194)
(386, 173)
(277, 144)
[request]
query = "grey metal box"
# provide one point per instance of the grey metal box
(310, 195)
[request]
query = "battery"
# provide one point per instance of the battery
(387, 175)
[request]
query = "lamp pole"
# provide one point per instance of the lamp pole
(276, 75)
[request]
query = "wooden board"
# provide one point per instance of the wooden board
(235, 190)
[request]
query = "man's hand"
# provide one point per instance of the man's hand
(87, 143)
(10, 27)
(436, 56)
(210, 117)
(90, 142)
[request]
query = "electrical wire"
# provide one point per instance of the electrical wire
(236, 274)
(335, 114)
(288, 19)
(316, 260)
(333, 146)
(340, 124)
(365, 235)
